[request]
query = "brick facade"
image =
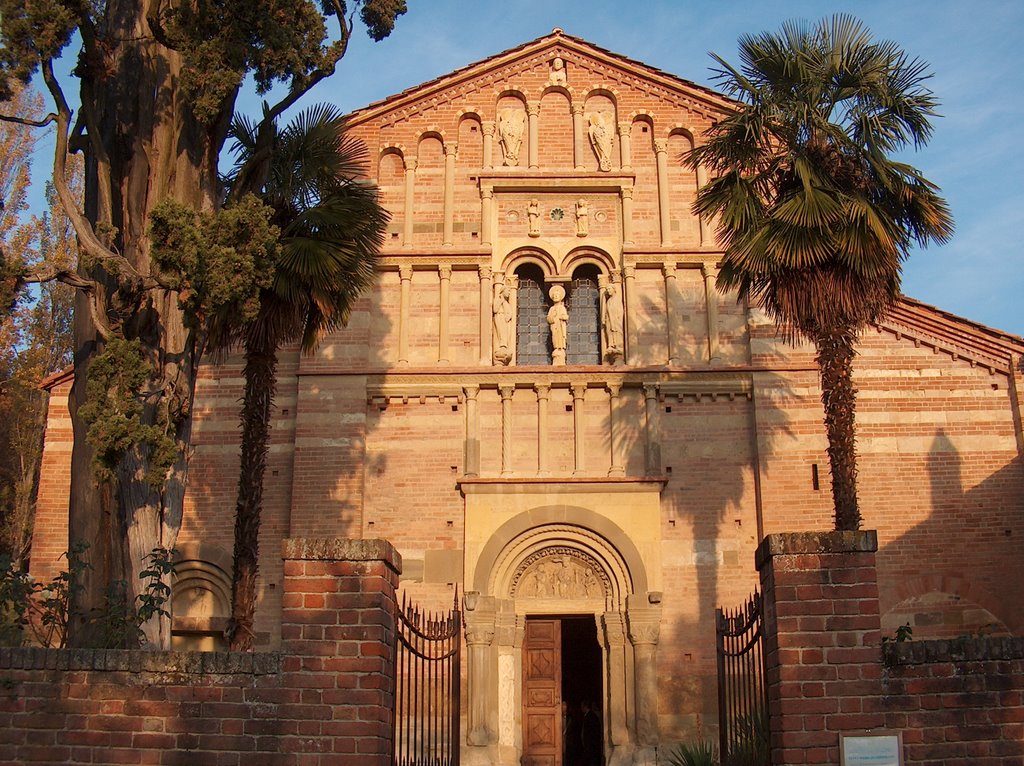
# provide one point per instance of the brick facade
(383, 432)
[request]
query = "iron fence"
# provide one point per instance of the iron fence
(742, 695)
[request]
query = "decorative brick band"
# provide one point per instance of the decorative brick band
(113, 660)
(954, 650)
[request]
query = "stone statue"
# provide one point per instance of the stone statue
(533, 214)
(558, 319)
(557, 75)
(601, 139)
(510, 134)
(611, 323)
(504, 319)
(582, 219)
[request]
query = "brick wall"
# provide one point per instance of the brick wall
(325, 699)
(955, 702)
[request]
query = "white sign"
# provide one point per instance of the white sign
(871, 750)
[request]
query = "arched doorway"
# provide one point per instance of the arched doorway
(579, 579)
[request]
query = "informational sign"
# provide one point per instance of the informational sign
(871, 749)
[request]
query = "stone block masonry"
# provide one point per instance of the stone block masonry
(324, 700)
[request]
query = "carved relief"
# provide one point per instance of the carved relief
(611, 323)
(511, 124)
(582, 218)
(557, 75)
(504, 319)
(600, 139)
(561, 572)
(533, 214)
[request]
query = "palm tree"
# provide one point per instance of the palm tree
(332, 226)
(815, 214)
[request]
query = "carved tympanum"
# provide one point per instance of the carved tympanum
(563, 573)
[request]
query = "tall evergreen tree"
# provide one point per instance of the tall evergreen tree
(815, 213)
(157, 85)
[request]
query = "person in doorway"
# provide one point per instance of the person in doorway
(590, 735)
(572, 742)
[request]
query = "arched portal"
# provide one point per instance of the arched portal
(547, 572)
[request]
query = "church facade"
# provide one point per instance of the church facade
(548, 408)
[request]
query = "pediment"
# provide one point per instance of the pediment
(588, 68)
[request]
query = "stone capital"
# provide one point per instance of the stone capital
(629, 272)
(709, 270)
(627, 192)
(479, 627)
(451, 149)
(579, 391)
(533, 109)
(410, 164)
(471, 392)
(625, 128)
(487, 126)
(487, 191)
(506, 392)
(445, 272)
(405, 273)
(660, 145)
(543, 391)
(650, 391)
(644, 624)
(576, 108)
(485, 272)
(669, 270)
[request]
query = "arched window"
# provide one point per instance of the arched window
(583, 345)
(533, 336)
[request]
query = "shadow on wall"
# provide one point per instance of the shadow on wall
(709, 527)
(960, 572)
(302, 412)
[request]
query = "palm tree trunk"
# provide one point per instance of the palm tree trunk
(835, 354)
(260, 368)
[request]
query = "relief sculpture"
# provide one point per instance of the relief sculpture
(601, 140)
(562, 577)
(511, 125)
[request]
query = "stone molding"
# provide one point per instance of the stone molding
(341, 549)
(815, 543)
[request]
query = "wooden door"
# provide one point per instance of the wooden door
(542, 693)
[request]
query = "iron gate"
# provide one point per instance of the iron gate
(427, 676)
(742, 695)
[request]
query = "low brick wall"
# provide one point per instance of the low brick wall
(827, 672)
(957, 702)
(323, 700)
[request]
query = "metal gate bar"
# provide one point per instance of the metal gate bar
(742, 695)
(427, 678)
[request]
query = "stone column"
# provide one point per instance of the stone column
(627, 215)
(822, 639)
(625, 146)
(579, 392)
(578, 143)
(652, 453)
(629, 303)
(508, 645)
(410, 201)
(487, 127)
(644, 626)
(486, 214)
(706, 238)
(614, 635)
(405, 275)
(479, 634)
(506, 429)
(486, 316)
(616, 468)
(472, 431)
(533, 113)
(661, 154)
(543, 395)
(710, 273)
(445, 274)
(671, 312)
(451, 151)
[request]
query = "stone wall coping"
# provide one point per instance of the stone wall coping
(140, 661)
(341, 549)
(966, 649)
(802, 543)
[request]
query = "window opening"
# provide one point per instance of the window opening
(583, 345)
(533, 336)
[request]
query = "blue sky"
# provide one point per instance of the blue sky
(974, 155)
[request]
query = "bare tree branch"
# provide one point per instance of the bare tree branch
(51, 117)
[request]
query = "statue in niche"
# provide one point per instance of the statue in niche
(511, 125)
(533, 214)
(582, 219)
(504, 318)
(601, 139)
(558, 319)
(557, 75)
(611, 323)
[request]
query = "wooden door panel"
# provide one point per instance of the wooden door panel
(542, 693)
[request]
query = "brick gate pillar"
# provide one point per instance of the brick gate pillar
(338, 638)
(822, 641)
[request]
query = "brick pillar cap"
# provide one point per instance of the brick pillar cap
(341, 549)
(796, 543)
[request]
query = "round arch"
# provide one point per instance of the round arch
(534, 255)
(592, 536)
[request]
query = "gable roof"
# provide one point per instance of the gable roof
(704, 98)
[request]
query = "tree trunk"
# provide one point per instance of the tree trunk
(835, 352)
(260, 368)
(152, 148)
